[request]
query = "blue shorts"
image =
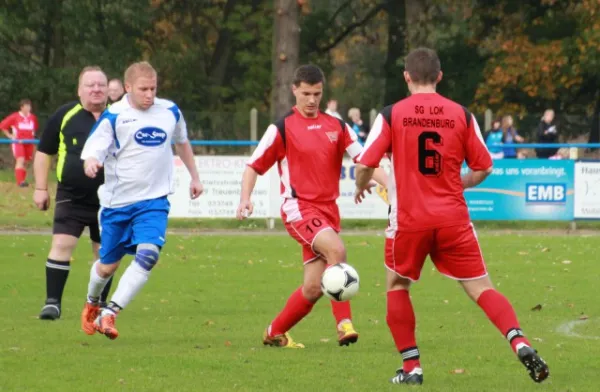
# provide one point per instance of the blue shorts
(123, 229)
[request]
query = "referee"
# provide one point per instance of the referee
(77, 202)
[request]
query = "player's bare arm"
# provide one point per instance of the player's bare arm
(95, 149)
(246, 207)
(380, 176)
(474, 178)
(263, 158)
(41, 168)
(186, 154)
(91, 166)
(363, 179)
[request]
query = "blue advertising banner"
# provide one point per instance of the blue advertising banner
(524, 189)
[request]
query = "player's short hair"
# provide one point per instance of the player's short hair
(423, 66)
(309, 74)
(142, 68)
(89, 68)
(24, 102)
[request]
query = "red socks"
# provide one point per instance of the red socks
(500, 312)
(20, 175)
(401, 321)
(341, 311)
(296, 308)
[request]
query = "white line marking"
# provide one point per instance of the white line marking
(567, 329)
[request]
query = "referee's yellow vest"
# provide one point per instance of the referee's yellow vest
(62, 147)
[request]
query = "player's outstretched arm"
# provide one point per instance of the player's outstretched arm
(245, 208)
(48, 147)
(477, 156)
(186, 154)
(474, 178)
(377, 144)
(270, 149)
(380, 176)
(363, 181)
(41, 168)
(96, 146)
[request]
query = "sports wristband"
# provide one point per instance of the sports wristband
(39, 189)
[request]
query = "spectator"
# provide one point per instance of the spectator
(357, 125)
(492, 138)
(511, 135)
(21, 125)
(547, 133)
(332, 107)
(115, 91)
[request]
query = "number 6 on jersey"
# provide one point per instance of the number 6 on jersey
(430, 160)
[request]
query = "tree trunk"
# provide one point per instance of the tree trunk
(101, 24)
(395, 87)
(222, 53)
(53, 56)
(48, 34)
(286, 48)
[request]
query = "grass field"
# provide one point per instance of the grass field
(197, 324)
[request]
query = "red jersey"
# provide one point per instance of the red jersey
(308, 153)
(429, 137)
(23, 127)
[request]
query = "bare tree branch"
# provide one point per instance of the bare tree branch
(338, 11)
(351, 27)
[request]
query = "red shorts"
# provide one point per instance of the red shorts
(305, 220)
(23, 151)
(454, 251)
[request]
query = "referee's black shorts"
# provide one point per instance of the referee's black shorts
(71, 218)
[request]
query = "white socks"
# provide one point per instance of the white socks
(132, 281)
(96, 284)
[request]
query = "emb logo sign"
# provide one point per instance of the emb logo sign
(545, 193)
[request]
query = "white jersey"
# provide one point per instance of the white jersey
(135, 148)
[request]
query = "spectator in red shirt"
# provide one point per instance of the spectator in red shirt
(21, 125)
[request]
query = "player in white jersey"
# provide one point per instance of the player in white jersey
(132, 141)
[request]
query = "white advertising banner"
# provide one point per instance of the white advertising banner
(587, 190)
(221, 177)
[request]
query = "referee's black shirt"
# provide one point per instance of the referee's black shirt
(65, 133)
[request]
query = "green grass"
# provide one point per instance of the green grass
(197, 324)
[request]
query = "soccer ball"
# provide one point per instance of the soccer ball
(340, 282)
